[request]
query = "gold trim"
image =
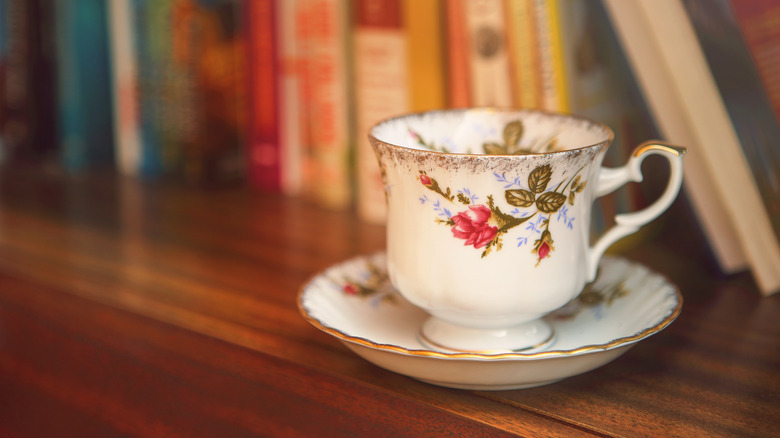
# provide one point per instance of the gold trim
(659, 146)
(491, 109)
(522, 356)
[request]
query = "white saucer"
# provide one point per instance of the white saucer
(354, 302)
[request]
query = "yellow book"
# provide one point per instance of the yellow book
(425, 53)
(523, 52)
(555, 93)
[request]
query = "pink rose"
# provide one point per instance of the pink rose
(473, 226)
(426, 180)
(543, 246)
(350, 289)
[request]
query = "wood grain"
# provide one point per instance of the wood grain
(150, 309)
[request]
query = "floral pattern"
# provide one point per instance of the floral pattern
(595, 298)
(483, 225)
(374, 283)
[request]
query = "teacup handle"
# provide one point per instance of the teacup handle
(612, 178)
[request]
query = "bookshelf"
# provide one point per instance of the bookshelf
(201, 94)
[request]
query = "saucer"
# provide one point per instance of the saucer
(354, 302)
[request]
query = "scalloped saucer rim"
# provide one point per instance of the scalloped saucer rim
(354, 302)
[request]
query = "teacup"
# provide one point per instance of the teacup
(489, 218)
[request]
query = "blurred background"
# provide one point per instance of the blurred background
(278, 95)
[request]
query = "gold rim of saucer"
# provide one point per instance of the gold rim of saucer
(626, 340)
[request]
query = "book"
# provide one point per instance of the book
(84, 93)
(489, 69)
(458, 88)
(28, 100)
(263, 138)
(122, 52)
(381, 90)
(680, 88)
(424, 30)
(551, 60)
(758, 23)
(747, 100)
(523, 52)
(329, 75)
(291, 104)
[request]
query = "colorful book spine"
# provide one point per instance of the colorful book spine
(381, 90)
(263, 146)
(489, 68)
(209, 53)
(85, 124)
(127, 130)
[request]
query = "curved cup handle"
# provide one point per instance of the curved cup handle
(628, 223)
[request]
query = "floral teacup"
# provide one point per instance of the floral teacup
(489, 218)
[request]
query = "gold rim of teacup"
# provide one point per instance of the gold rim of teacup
(487, 109)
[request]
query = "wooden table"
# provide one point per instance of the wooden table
(159, 310)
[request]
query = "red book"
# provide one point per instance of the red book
(263, 146)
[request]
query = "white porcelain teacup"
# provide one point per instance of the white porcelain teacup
(489, 218)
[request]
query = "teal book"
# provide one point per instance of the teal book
(83, 84)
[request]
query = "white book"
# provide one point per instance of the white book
(681, 91)
(127, 132)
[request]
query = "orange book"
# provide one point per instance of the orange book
(329, 106)
(457, 50)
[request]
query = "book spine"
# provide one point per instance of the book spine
(28, 96)
(489, 57)
(264, 156)
(523, 52)
(85, 133)
(551, 59)
(759, 21)
(291, 104)
(425, 58)
(150, 164)
(127, 140)
(330, 108)
(381, 91)
(304, 37)
(457, 50)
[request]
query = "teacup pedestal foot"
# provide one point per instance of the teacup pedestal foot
(529, 337)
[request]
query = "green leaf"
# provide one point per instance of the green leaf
(494, 149)
(550, 202)
(539, 178)
(512, 133)
(519, 198)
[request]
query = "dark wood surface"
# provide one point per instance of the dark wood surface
(139, 309)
